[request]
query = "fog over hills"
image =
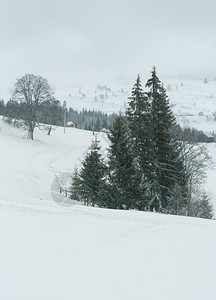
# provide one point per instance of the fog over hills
(68, 41)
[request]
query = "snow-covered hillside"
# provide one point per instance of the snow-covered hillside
(50, 250)
(193, 101)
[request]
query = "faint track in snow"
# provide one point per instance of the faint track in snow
(61, 182)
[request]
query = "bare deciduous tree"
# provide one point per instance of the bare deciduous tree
(32, 91)
(196, 159)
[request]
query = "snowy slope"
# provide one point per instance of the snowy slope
(51, 251)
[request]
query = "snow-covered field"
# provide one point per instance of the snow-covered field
(193, 101)
(52, 250)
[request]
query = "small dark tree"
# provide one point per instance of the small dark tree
(201, 206)
(75, 189)
(205, 207)
(92, 176)
(2, 107)
(12, 110)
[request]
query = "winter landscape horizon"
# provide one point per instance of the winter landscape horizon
(55, 248)
(108, 150)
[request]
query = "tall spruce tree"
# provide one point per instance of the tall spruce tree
(167, 150)
(124, 176)
(140, 124)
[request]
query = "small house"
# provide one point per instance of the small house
(70, 124)
(208, 138)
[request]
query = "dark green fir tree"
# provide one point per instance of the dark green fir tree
(75, 189)
(140, 124)
(124, 176)
(169, 171)
(205, 208)
(92, 176)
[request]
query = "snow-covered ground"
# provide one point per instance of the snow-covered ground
(52, 250)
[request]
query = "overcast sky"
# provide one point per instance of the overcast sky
(72, 41)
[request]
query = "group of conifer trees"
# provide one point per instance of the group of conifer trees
(146, 166)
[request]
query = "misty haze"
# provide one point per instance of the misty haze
(108, 150)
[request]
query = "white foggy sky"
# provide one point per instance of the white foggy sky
(72, 41)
